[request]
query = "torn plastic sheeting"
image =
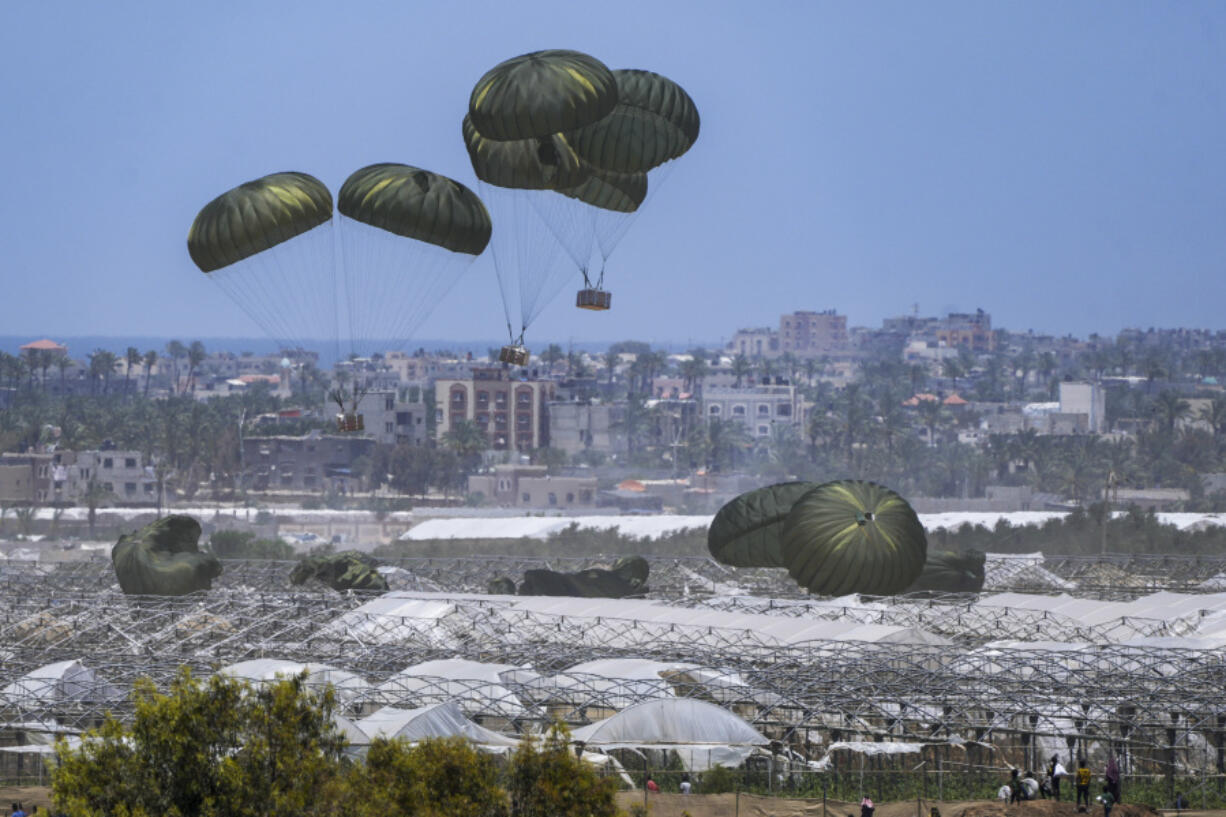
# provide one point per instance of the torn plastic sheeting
(867, 747)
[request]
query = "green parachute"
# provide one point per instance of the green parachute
(853, 536)
(746, 531)
(834, 538)
(563, 147)
(164, 559)
(346, 570)
(257, 216)
(949, 572)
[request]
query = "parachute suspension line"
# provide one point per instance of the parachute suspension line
(611, 227)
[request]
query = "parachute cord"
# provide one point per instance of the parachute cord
(600, 280)
(587, 282)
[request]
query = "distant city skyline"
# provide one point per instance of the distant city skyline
(1059, 166)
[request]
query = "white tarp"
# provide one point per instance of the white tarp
(478, 687)
(438, 721)
(56, 683)
(349, 686)
(866, 747)
(541, 527)
(702, 734)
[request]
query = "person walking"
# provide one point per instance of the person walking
(1112, 776)
(1107, 799)
(1056, 772)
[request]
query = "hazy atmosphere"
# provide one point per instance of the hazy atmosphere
(1058, 165)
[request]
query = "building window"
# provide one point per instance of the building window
(764, 410)
(148, 487)
(783, 410)
(129, 462)
(523, 420)
(553, 498)
(483, 397)
(527, 498)
(763, 430)
(500, 399)
(129, 488)
(106, 486)
(713, 411)
(585, 496)
(389, 404)
(108, 463)
(483, 419)
(570, 498)
(389, 428)
(738, 411)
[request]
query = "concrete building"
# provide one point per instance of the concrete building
(1088, 399)
(970, 329)
(513, 414)
(530, 486)
(123, 474)
(313, 462)
(25, 478)
(813, 334)
(395, 416)
(758, 407)
(577, 427)
(761, 342)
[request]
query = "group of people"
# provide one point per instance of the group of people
(1028, 787)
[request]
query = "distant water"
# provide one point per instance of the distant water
(329, 352)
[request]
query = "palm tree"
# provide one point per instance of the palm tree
(1170, 408)
(95, 494)
(195, 356)
(150, 359)
(63, 363)
(740, 367)
(692, 372)
(552, 354)
(175, 350)
(468, 441)
(611, 359)
(1214, 414)
(951, 368)
(932, 414)
(102, 366)
(133, 359)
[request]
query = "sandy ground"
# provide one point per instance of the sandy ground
(749, 805)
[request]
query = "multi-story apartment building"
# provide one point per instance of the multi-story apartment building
(970, 329)
(513, 414)
(812, 334)
(25, 479)
(63, 477)
(757, 407)
(395, 415)
(310, 463)
(758, 342)
(576, 427)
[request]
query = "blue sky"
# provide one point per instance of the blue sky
(1059, 164)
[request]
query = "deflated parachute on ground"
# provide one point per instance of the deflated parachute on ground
(347, 570)
(627, 577)
(746, 531)
(853, 536)
(164, 559)
(257, 216)
(950, 572)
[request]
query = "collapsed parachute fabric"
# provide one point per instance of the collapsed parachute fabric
(164, 559)
(746, 531)
(853, 536)
(346, 570)
(949, 572)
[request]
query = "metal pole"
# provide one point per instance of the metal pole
(940, 781)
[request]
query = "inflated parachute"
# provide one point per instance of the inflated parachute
(519, 114)
(164, 559)
(268, 244)
(853, 536)
(654, 122)
(746, 531)
(407, 235)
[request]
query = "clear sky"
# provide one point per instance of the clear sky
(1060, 164)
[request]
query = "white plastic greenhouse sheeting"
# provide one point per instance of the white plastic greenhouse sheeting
(348, 685)
(60, 682)
(472, 684)
(656, 526)
(443, 720)
(702, 734)
(537, 527)
(866, 747)
(1005, 569)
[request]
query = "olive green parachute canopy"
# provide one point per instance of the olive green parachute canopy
(164, 559)
(746, 531)
(853, 536)
(538, 94)
(546, 163)
(415, 203)
(949, 572)
(346, 570)
(619, 192)
(627, 577)
(654, 121)
(257, 216)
